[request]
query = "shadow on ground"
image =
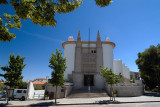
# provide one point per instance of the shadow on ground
(2, 105)
(42, 104)
(106, 102)
(150, 93)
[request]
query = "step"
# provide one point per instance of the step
(87, 94)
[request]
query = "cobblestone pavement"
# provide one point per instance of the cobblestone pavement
(82, 101)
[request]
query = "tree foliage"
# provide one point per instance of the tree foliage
(40, 12)
(1, 86)
(109, 76)
(13, 75)
(103, 3)
(22, 85)
(8, 21)
(149, 66)
(58, 65)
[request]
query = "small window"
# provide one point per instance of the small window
(62, 90)
(19, 91)
(24, 91)
(92, 51)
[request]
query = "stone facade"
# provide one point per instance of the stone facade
(84, 59)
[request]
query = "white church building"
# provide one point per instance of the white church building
(83, 60)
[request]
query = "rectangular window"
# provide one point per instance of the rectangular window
(93, 51)
(19, 91)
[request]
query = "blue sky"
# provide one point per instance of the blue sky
(133, 25)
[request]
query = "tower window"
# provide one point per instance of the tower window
(93, 51)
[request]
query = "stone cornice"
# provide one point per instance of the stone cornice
(90, 42)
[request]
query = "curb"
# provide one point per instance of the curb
(52, 104)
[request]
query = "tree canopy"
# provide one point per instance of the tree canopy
(13, 75)
(109, 76)
(40, 12)
(149, 66)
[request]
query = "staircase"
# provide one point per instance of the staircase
(86, 94)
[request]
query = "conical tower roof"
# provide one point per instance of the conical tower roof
(79, 36)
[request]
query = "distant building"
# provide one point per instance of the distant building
(39, 83)
(134, 75)
(40, 80)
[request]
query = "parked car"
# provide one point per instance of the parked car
(20, 94)
(2, 95)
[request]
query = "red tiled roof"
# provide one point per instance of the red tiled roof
(39, 83)
(134, 72)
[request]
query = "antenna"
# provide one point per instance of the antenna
(89, 60)
(89, 38)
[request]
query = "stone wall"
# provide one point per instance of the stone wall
(62, 92)
(128, 89)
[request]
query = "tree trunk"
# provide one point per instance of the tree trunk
(7, 95)
(56, 96)
(111, 93)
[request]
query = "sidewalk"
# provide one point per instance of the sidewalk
(82, 101)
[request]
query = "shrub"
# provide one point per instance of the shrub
(155, 89)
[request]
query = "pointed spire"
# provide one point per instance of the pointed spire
(98, 36)
(79, 36)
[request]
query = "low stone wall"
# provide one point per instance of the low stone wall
(68, 90)
(127, 89)
(38, 94)
(62, 92)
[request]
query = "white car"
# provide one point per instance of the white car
(20, 94)
(2, 95)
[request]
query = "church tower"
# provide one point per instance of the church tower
(84, 59)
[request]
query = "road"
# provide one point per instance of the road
(153, 104)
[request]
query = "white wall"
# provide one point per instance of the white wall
(107, 55)
(117, 66)
(69, 54)
(126, 71)
(34, 94)
(30, 88)
(39, 94)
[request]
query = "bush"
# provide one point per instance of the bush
(132, 80)
(114, 92)
(155, 89)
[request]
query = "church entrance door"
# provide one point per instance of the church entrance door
(88, 80)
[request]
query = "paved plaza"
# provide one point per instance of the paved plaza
(86, 101)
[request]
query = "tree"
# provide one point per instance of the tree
(22, 85)
(58, 65)
(110, 78)
(40, 12)
(149, 66)
(13, 73)
(1, 86)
